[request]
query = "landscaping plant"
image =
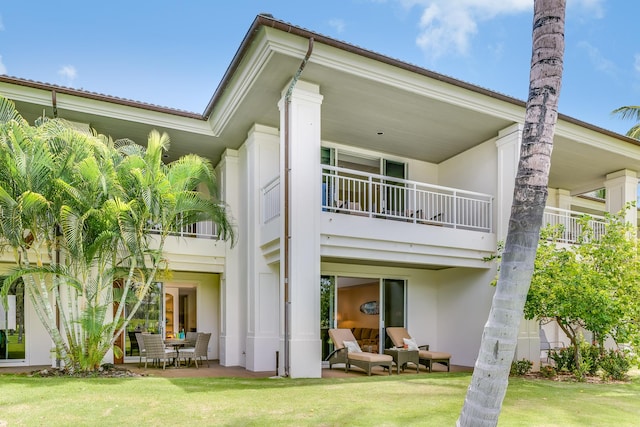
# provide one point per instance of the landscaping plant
(86, 219)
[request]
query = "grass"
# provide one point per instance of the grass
(422, 399)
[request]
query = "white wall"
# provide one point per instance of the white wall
(473, 170)
(464, 300)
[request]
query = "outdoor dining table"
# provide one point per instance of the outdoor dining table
(176, 343)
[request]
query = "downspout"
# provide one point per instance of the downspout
(287, 231)
(54, 104)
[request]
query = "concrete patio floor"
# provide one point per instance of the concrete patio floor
(215, 370)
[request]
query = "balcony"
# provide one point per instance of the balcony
(198, 230)
(571, 225)
(377, 196)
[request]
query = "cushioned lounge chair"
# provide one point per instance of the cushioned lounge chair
(427, 357)
(348, 352)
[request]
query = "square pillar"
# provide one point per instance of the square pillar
(261, 155)
(233, 280)
(622, 188)
(301, 284)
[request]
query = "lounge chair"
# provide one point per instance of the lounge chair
(348, 351)
(426, 357)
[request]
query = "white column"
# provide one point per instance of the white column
(305, 354)
(621, 188)
(559, 198)
(261, 153)
(508, 144)
(233, 281)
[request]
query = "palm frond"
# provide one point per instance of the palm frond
(628, 112)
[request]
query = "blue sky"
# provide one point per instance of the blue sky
(174, 53)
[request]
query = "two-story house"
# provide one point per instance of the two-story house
(367, 192)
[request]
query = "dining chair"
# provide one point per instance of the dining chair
(199, 351)
(154, 349)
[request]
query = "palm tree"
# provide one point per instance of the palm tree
(491, 373)
(630, 112)
(78, 210)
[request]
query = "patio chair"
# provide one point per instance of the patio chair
(133, 343)
(140, 341)
(348, 351)
(427, 358)
(191, 339)
(154, 349)
(547, 347)
(199, 351)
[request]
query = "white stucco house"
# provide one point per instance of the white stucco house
(366, 191)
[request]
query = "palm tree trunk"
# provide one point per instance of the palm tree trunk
(490, 377)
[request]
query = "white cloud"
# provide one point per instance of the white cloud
(593, 8)
(69, 73)
(3, 68)
(337, 24)
(447, 26)
(598, 60)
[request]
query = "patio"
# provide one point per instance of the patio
(215, 370)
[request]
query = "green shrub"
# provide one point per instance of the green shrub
(563, 358)
(548, 371)
(615, 365)
(521, 367)
(590, 358)
(580, 372)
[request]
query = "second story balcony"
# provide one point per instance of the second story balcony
(377, 196)
(570, 223)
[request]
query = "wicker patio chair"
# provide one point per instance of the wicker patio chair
(141, 350)
(155, 350)
(427, 357)
(199, 351)
(348, 352)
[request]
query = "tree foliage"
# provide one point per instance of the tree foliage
(86, 219)
(591, 286)
(630, 112)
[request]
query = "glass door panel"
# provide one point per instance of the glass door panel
(394, 305)
(148, 317)
(327, 312)
(395, 191)
(12, 333)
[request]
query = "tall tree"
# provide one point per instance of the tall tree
(589, 286)
(81, 212)
(491, 373)
(630, 112)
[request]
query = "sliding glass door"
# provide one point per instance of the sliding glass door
(148, 317)
(394, 301)
(12, 333)
(364, 305)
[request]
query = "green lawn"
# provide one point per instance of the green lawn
(423, 399)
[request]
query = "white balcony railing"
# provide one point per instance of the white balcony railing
(354, 192)
(198, 230)
(570, 222)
